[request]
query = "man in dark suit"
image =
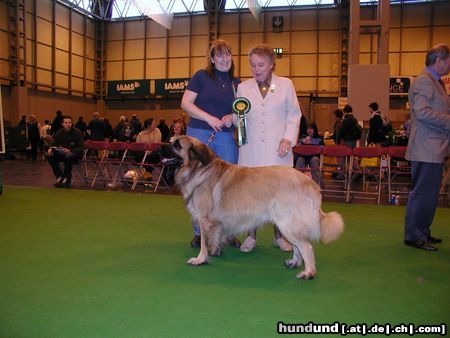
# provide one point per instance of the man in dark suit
(96, 128)
(428, 146)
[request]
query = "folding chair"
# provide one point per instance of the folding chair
(312, 150)
(132, 160)
(335, 162)
(80, 165)
(399, 172)
(111, 158)
(155, 179)
(374, 171)
(92, 155)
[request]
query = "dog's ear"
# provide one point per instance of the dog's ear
(201, 153)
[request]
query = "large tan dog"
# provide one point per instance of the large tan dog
(227, 199)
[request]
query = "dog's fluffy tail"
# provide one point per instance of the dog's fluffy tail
(331, 226)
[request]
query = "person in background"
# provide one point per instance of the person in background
(349, 133)
(176, 120)
(208, 100)
(311, 138)
(96, 128)
(376, 135)
(109, 132)
(401, 138)
(137, 125)
(82, 126)
(57, 122)
(33, 135)
(338, 115)
(177, 131)
(150, 134)
(171, 163)
(428, 146)
(46, 136)
(303, 126)
(183, 116)
(22, 123)
(338, 119)
(164, 129)
(67, 147)
(273, 123)
(124, 131)
(46, 128)
(407, 126)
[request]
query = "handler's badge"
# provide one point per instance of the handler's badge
(241, 106)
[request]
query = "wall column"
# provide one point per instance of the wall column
(100, 107)
(19, 104)
(368, 83)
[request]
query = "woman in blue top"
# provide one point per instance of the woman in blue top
(208, 100)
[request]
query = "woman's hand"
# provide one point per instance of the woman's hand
(227, 120)
(284, 147)
(215, 123)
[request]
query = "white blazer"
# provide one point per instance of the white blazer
(269, 120)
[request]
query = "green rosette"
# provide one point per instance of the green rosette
(241, 106)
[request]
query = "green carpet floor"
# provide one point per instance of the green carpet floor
(78, 263)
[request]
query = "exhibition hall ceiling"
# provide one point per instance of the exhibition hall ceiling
(121, 9)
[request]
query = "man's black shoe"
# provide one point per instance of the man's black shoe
(195, 243)
(421, 245)
(434, 240)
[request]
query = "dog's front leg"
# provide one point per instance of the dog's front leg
(203, 255)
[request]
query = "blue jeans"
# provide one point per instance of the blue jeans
(68, 158)
(223, 145)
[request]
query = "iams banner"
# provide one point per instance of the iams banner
(130, 88)
(171, 87)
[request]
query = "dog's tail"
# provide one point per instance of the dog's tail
(331, 226)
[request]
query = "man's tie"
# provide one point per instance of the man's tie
(441, 83)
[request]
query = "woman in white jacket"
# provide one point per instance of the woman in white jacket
(272, 123)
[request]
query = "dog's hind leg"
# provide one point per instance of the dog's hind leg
(306, 250)
(301, 246)
(216, 240)
(296, 260)
(294, 238)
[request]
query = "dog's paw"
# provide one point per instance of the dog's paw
(305, 275)
(291, 263)
(196, 261)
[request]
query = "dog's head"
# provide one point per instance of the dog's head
(191, 150)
